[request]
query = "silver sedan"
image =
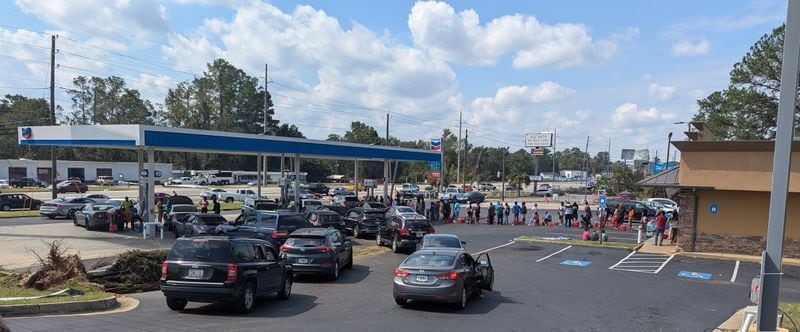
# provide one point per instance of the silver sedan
(63, 207)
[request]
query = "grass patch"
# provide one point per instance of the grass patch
(364, 251)
(790, 309)
(9, 288)
(19, 214)
(620, 245)
(222, 205)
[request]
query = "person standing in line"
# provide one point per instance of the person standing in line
(617, 216)
(126, 213)
(478, 213)
(661, 225)
(160, 211)
(575, 211)
(631, 214)
(469, 214)
(516, 211)
(498, 210)
(456, 211)
(561, 211)
(568, 215)
(490, 214)
(432, 211)
(216, 206)
(204, 205)
(673, 226)
(506, 212)
(524, 211)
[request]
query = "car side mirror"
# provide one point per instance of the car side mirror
(463, 242)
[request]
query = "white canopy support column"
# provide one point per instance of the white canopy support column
(142, 194)
(355, 178)
(297, 182)
(151, 185)
(258, 175)
(385, 181)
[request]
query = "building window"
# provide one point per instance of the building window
(76, 173)
(43, 174)
(17, 172)
(104, 172)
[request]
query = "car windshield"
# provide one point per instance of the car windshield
(428, 259)
(203, 250)
(103, 207)
(405, 209)
(305, 241)
(184, 208)
(374, 215)
(213, 220)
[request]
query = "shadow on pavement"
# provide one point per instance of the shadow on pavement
(266, 307)
(477, 305)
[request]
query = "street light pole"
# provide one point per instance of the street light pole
(669, 142)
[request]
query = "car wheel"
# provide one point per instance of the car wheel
(247, 299)
(71, 214)
(395, 245)
(462, 301)
(176, 304)
(355, 232)
(6, 207)
(229, 200)
(286, 290)
(335, 274)
(349, 264)
(400, 301)
(378, 240)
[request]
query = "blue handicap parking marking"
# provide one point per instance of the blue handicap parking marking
(695, 275)
(576, 263)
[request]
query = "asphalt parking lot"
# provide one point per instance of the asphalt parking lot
(537, 285)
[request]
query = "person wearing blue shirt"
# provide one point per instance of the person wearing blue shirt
(456, 210)
(515, 210)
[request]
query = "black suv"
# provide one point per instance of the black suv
(25, 182)
(318, 188)
(361, 221)
(403, 233)
(12, 201)
(640, 208)
(325, 218)
(273, 226)
(221, 269)
(318, 251)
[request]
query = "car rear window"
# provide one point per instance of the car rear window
(418, 259)
(105, 207)
(350, 199)
(330, 218)
(287, 222)
(305, 241)
(374, 215)
(184, 208)
(446, 242)
(418, 224)
(213, 220)
(202, 250)
(405, 209)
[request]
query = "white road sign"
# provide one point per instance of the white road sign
(544, 140)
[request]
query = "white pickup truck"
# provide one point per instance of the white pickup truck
(450, 194)
(230, 196)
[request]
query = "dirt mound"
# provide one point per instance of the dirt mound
(133, 271)
(57, 267)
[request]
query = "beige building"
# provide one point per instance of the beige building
(723, 190)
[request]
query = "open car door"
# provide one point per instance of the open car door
(485, 272)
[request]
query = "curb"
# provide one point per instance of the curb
(638, 246)
(575, 244)
(18, 310)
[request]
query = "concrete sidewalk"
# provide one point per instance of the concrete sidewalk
(670, 249)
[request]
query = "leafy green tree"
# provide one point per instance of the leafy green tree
(748, 107)
(20, 111)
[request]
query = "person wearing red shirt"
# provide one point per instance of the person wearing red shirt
(661, 225)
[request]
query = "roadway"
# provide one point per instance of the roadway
(534, 289)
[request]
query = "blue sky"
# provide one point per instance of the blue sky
(619, 70)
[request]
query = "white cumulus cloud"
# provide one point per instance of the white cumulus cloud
(461, 38)
(661, 92)
(689, 48)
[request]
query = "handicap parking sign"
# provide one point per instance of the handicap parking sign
(576, 263)
(602, 201)
(695, 275)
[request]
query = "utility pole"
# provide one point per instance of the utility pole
(503, 178)
(458, 147)
(608, 162)
(554, 154)
(771, 258)
(586, 186)
(669, 142)
(54, 168)
(266, 94)
(466, 139)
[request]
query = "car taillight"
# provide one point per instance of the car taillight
(400, 273)
(342, 223)
(164, 267)
(280, 234)
(284, 247)
(432, 230)
(325, 249)
(58, 206)
(450, 275)
(233, 272)
(403, 231)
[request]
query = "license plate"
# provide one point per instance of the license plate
(302, 260)
(420, 234)
(422, 278)
(195, 273)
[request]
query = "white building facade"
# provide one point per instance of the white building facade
(87, 171)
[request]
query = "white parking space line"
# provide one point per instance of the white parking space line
(735, 272)
(553, 254)
(665, 263)
(493, 248)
